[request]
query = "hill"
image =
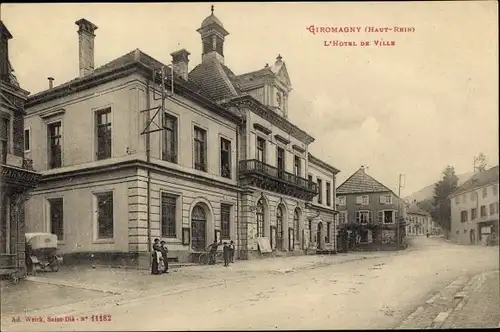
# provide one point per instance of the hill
(428, 192)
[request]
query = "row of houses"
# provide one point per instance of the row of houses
(135, 150)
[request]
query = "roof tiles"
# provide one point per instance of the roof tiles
(360, 182)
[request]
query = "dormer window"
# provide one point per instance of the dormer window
(278, 99)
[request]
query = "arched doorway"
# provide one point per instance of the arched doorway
(319, 231)
(472, 236)
(279, 227)
(198, 228)
(296, 225)
(260, 218)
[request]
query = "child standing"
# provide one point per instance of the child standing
(231, 252)
(226, 252)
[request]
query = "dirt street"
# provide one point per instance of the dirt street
(376, 292)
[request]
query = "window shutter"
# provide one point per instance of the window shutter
(359, 199)
(357, 216)
(205, 155)
(382, 199)
(369, 217)
(395, 216)
(380, 216)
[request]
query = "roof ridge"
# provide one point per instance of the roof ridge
(362, 173)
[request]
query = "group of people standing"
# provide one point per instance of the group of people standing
(160, 261)
(227, 250)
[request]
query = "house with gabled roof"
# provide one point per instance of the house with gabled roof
(474, 209)
(370, 212)
(136, 150)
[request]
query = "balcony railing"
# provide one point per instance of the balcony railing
(258, 167)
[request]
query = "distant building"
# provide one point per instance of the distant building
(17, 178)
(370, 211)
(474, 209)
(418, 222)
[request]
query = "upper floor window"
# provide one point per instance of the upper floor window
(320, 191)
(54, 144)
(473, 196)
(27, 140)
(281, 159)
(495, 190)
(296, 165)
(386, 199)
(200, 149)
(363, 200)
(363, 217)
(328, 194)
(4, 139)
(225, 158)
(485, 192)
(103, 128)
(341, 200)
(457, 200)
(261, 149)
(464, 215)
(169, 152)
(484, 211)
(493, 208)
(473, 213)
(342, 217)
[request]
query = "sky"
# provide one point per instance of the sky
(413, 108)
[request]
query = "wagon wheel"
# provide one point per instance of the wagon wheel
(54, 266)
(204, 259)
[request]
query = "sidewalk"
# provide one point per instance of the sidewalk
(466, 302)
(73, 288)
(481, 305)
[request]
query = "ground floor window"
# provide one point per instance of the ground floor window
(328, 226)
(105, 227)
(56, 217)
(168, 215)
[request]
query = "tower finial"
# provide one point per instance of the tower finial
(212, 9)
(279, 57)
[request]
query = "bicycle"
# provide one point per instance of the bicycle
(205, 257)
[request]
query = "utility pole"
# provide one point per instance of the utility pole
(400, 185)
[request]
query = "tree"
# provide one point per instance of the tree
(426, 205)
(441, 206)
(480, 163)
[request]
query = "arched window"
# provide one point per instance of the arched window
(296, 224)
(279, 227)
(260, 218)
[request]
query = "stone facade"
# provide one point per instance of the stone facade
(186, 168)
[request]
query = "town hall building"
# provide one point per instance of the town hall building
(130, 152)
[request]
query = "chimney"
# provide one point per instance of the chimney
(51, 82)
(362, 168)
(180, 61)
(86, 46)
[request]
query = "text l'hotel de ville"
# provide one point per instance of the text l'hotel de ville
(349, 31)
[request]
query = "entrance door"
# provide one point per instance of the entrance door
(4, 225)
(472, 236)
(198, 229)
(318, 235)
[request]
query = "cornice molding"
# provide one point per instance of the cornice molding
(298, 148)
(261, 128)
(282, 139)
(321, 163)
(267, 114)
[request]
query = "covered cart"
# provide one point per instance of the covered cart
(41, 252)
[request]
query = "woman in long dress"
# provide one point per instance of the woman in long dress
(156, 257)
